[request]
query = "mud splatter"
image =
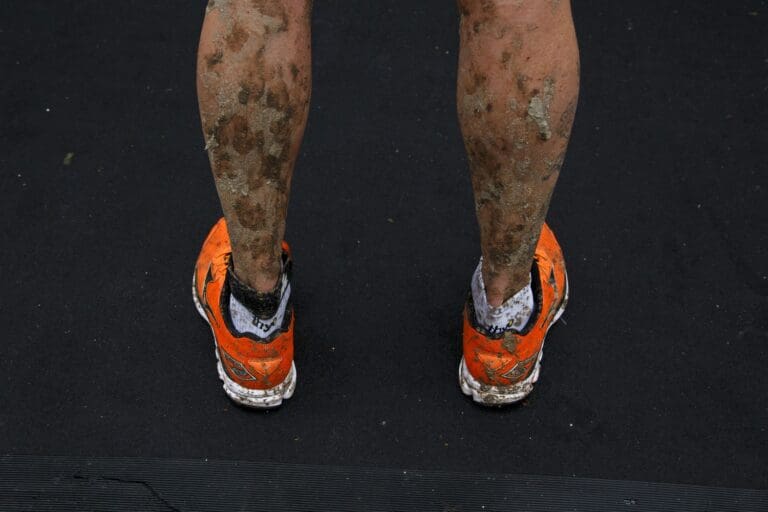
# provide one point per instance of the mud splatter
(538, 108)
(237, 38)
(251, 117)
(552, 166)
(242, 96)
(214, 58)
(488, 7)
(520, 80)
(223, 165)
(463, 8)
(510, 342)
(522, 169)
(477, 100)
(275, 19)
(481, 155)
(567, 117)
(251, 216)
(504, 113)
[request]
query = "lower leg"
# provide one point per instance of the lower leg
(254, 82)
(517, 92)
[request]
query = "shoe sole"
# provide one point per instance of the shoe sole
(485, 394)
(254, 398)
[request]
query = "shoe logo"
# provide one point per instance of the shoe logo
(204, 299)
(520, 368)
(494, 330)
(547, 319)
(236, 367)
(262, 325)
(260, 369)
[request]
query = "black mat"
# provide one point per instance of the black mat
(656, 374)
(81, 484)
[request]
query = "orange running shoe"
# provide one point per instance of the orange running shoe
(256, 372)
(502, 370)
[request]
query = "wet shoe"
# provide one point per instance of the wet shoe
(499, 370)
(256, 372)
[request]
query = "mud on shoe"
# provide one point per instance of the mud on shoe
(502, 369)
(256, 372)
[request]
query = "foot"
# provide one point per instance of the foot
(256, 372)
(501, 369)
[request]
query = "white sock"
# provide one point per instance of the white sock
(513, 314)
(244, 320)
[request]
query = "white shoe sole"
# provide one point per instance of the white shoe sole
(485, 394)
(256, 398)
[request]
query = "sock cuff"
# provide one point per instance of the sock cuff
(512, 315)
(263, 305)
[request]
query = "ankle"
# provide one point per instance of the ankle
(261, 283)
(261, 276)
(257, 312)
(498, 311)
(263, 302)
(500, 288)
(494, 298)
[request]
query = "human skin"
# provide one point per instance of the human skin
(517, 91)
(254, 86)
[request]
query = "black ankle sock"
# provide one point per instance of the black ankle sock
(262, 304)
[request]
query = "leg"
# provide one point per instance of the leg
(253, 82)
(517, 93)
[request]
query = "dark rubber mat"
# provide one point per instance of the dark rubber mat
(82, 484)
(657, 373)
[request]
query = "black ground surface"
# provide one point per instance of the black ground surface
(657, 373)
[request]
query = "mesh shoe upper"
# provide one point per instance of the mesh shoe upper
(510, 357)
(251, 362)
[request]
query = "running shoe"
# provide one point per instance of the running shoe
(256, 372)
(502, 369)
